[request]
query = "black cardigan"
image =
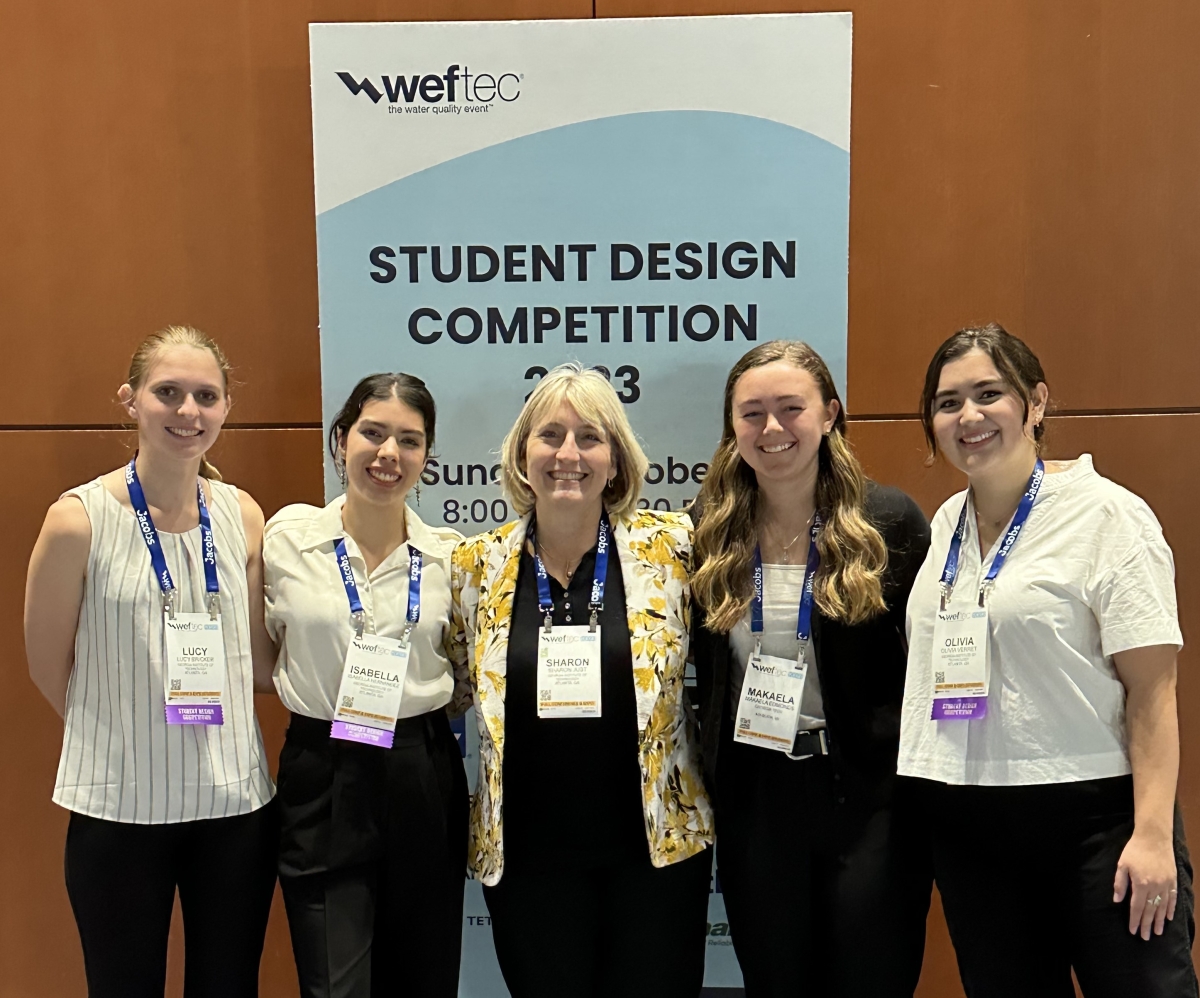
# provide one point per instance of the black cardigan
(861, 667)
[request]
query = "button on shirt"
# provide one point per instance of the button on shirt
(308, 613)
(1090, 576)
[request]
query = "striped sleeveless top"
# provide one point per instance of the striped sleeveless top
(120, 759)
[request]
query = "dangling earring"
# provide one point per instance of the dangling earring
(417, 490)
(340, 468)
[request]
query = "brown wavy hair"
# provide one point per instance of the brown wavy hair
(178, 336)
(849, 583)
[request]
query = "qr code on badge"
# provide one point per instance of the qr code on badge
(176, 685)
(744, 724)
(347, 701)
(939, 677)
(544, 695)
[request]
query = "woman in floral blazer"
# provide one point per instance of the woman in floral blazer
(590, 810)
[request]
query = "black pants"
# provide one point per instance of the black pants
(374, 847)
(621, 931)
(824, 897)
(121, 879)
(1026, 878)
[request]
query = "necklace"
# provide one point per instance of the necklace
(568, 568)
(786, 548)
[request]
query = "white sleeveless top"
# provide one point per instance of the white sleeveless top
(120, 759)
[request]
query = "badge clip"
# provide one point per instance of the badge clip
(595, 618)
(546, 624)
(985, 590)
(404, 637)
(168, 603)
(214, 604)
(946, 592)
(359, 620)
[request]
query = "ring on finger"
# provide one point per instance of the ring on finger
(1155, 901)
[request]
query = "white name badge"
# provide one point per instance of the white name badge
(961, 670)
(194, 654)
(368, 700)
(568, 672)
(768, 712)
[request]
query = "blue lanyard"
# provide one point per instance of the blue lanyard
(356, 607)
(596, 602)
(804, 620)
(141, 509)
(950, 572)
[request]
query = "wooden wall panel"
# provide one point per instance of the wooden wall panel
(39, 946)
(1032, 163)
(157, 168)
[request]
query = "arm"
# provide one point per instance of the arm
(1147, 864)
(53, 596)
(263, 651)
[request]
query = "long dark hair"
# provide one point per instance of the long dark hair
(406, 388)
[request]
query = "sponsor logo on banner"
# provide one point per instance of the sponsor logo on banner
(456, 90)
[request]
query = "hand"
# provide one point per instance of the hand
(1147, 864)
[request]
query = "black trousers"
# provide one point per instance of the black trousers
(374, 846)
(824, 896)
(1026, 877)
(627, 930)
(122, 878)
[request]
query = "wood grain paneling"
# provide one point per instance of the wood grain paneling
(157, 168)
(1032, 163)
(39, 947)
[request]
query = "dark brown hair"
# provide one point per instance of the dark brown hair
(849, 583)
(1016, 364)
(406, 388)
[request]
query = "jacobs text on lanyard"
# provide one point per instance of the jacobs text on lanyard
(193, 643)
(960, 662)
(373, 674)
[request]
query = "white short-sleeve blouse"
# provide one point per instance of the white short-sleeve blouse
(1090, 576)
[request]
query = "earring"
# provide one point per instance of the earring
(340, 468)
(417, 490)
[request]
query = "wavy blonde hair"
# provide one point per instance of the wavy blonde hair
(592, 397)
(178, 336)
(849, 583)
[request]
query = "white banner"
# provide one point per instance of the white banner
(648, 196)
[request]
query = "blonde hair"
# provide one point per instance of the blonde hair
(849, 583)
(592, 397)
(177, 336)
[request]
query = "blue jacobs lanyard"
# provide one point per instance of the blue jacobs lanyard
(950, 572)
(804, 619)
(141, 510)
(356, 607)
(596, 600)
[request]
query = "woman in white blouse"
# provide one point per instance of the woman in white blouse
(372, 791)
(1039, 707)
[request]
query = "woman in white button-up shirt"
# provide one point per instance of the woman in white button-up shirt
(373, 838)
(1050, 790)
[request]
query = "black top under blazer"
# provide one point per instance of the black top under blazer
(861, 667)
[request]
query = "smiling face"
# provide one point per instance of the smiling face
(978, 418)
(180, 405)
(568, 460)
(384, 451)
(779, 419)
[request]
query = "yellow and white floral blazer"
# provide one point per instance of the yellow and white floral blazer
(655, 551)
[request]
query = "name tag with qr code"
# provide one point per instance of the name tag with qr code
(961, 667)
(568, 672)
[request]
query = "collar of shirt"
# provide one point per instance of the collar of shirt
(326, 527)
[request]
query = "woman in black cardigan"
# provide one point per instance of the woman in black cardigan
(803, 569)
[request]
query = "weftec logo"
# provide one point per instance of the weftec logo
(481, 88)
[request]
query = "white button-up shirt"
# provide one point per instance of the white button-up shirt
(1090, 576)
(308, 611)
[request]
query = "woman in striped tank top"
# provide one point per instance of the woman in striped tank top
(144, 629)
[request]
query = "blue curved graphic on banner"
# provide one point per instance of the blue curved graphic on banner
(668, 177)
